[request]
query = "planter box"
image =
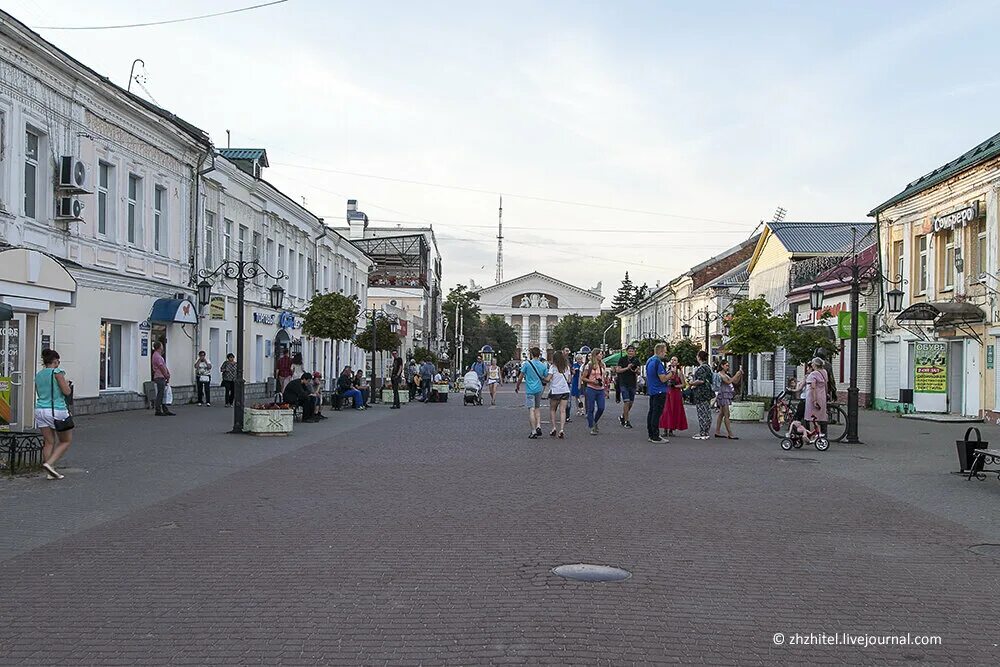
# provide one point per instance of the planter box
(746, 411)
(404, 396)
(268, 422)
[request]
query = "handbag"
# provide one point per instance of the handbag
(545, 385)
(60, 425)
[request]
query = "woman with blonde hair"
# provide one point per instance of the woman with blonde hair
(594, 380)
(559, 378)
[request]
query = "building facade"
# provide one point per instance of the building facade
(939, 234)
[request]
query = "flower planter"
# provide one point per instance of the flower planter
(746, 411)
(268, 422)
(404, 396)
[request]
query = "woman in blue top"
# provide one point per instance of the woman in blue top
(51, 390)
(574, 385)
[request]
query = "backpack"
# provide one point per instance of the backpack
(716, 381)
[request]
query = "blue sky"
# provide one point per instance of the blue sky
(712, 112)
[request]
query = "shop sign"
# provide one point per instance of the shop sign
(46, 342)
(989, 355)
(288, 321)
(144, 325)
(5, 403)
(959, 218)
(264, 318)
(930, 368)
(805, 317)
(144, 346)
(844, 324)
(217, 308)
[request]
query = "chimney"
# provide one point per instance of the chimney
(356, 220)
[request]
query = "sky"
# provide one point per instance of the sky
(665, 130)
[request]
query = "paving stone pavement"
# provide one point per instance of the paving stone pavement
(427, 535)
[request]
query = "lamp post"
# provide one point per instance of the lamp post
(378, 314)
(862, 280)
(240, 270)
(706, 317)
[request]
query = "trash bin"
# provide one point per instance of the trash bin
(966, 448)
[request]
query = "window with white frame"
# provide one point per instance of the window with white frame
(111, 355)
(922, 266)
(269, 255)
(134, 209)
(105, 200)
(281, 258)
(160, 220)
(242, 246)
(256, 251)
(948, 267)
(32, 178)
(897, 253)
(227, 241)
(209, 240)
(980, 250)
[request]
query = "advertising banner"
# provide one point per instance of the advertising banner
(6, 409)
(844, 325)
(930, 373)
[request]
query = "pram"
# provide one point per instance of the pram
(473, 389)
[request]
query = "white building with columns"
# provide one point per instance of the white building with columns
(534, 303)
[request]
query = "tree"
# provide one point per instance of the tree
(495, 332)
(385, 338)
(686, 351)
(801, 344)
(753, 327)
(625, 297)
(640, 294)
(332, 316)
(568, 332)
(644, 347)
(422, 354)
(467, 304)
(594, 327)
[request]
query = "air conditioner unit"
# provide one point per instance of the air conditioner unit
(69, 208)
(73, 175)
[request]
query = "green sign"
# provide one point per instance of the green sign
(930, 368)
(844, 324)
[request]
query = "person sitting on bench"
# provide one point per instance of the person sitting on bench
(298, 392)
(345, 389)
(317, 394)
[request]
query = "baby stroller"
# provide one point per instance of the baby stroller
(796, 439)
(473, 394)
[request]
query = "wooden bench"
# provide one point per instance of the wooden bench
(982, 458)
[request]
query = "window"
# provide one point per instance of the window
(209, 240)
(104, 214)
(922, 267)
(269, 255)
(981, 267)
(242, 246)
(897, 252)
(227, 241)
(293, 274)
(111, 355)
(134, 208)
(31, 142)
(159, 220)
(948, 270)
(281, 258)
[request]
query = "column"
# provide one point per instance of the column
(525, 332)
(543, 333)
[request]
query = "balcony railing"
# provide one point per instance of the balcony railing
(804, 272)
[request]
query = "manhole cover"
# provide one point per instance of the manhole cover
(588, 572)
(795, 459)
(990, 550)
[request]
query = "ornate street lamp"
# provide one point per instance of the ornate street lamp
(894, 297)
(241, 271)
(686, 330)
(816, 297)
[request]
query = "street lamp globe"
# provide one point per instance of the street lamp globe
(204, 292)
(277, 293)
(895, 299)
(816, 297)
(686, 330)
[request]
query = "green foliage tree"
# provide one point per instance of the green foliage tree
(495, 332)
(640, 293)
(644, 347)
(686, 351)
(802, 343)
(467, 304)
(625, 297)
(332, 316)
(753, 327)
(384, 340)
(568, 332)
(422, 354)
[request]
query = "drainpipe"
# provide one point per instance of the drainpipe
(881, 306)
(193, 251)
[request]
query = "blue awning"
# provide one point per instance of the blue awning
(181, 311)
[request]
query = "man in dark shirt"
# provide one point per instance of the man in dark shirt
(299, 392)
(397, 378)
(628, 365)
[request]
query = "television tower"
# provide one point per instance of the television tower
(500, 244)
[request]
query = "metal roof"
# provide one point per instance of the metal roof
(245, 154)
(816, 238)
(738, 276)
(977, 154)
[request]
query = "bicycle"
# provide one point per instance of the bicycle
(782, 414)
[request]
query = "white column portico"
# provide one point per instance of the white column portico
(525, 332)
(543, 332)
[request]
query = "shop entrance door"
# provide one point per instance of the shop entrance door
(956, 376)
(12, 374)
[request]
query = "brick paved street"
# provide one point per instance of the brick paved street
(426, 536)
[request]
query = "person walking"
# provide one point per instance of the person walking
(568, 356)
(161, 378)
(533, 372)
(656, 388)
(725, 398)
(817, 392)
(493, 381)
(228, 370)
(595, 381)
(52, 412)
(576, 387)
(283, 369)
(673, 418)
(559, 377)
(627, 374)
(426, 378)
(701, 388)
(203, 378)
(396, 377)
(412, 378)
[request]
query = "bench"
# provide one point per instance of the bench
(981, 458)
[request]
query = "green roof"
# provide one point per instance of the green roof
(245, 154)
(978, 154)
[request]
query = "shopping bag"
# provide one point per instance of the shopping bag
(168, 396)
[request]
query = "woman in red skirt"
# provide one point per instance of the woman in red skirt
(673, 418)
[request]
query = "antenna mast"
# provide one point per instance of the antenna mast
(500, 244)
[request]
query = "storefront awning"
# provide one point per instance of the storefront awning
(942, 314)
(6, 312)
(34, 281)
(180, 311)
